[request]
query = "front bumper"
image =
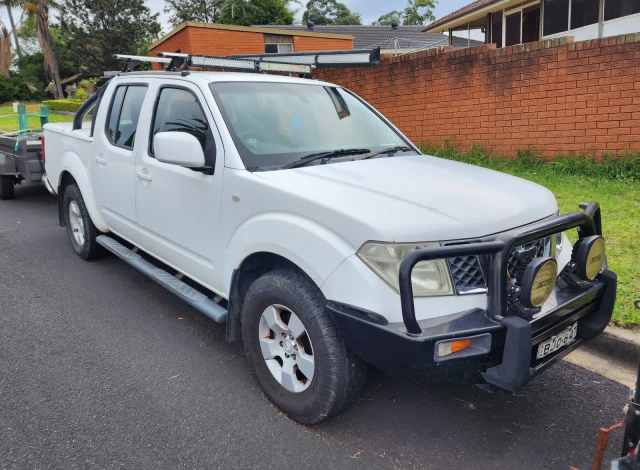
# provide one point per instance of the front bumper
(511, 361)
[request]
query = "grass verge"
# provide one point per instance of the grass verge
(614, 183)
(9, 119)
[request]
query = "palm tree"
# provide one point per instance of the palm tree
(40, 10)
(9, 4)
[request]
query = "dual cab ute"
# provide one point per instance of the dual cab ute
(296, 213)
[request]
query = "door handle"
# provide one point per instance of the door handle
(101, 161)
(144, 175)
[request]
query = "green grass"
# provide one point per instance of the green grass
(615, 184)
(9, 119)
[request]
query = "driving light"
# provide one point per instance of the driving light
(589, 256)
(538, 281)
(429, 278)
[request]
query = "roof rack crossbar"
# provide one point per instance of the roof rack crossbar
(176, 61)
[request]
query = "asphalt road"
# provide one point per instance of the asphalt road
(101, 368)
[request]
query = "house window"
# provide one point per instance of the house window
(618, 8)
(496, 28)
(531, 24)
(277, 44)
(556, 16)
(584, 13)
(513, 30)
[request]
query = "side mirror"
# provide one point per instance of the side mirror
(180, 148)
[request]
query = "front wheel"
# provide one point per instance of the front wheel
(294, 349)
(7, 187)
(80, 229)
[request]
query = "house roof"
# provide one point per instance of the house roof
(471, 10)
(385, 37)
(249, 29)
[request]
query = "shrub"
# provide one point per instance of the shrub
(64, 105)
(14, 89)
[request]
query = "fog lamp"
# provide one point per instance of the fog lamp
(589, 257)
(538, 282)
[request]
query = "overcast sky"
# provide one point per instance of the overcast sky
(370, 10)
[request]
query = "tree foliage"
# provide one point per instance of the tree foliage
(94, 30)
(328, 12)
(417, 12)
(242, 12)
(248, 12)
(203, 11)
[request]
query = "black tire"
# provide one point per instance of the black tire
(339, 375)
(89, 249)
(7, 186)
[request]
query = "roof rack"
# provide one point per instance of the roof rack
(176, 62)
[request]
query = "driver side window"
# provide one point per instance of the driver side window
(179, 110)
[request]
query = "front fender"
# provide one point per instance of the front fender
(310, 246)
(72, 164)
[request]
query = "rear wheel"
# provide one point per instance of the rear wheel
(80, 229)
(7, 185)
(294, 349)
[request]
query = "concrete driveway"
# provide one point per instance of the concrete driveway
(101, 368)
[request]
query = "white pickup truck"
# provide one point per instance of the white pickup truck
(293, 211)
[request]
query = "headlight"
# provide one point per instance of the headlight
(429, 278)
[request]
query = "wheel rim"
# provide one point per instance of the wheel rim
(286, 348)
(76, 222)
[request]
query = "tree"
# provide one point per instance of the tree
(389, 19)
(417, 12)
(94, 30)
(323, 12)
(10, 4)
(39, 9)
(248, 12)
(204, 11)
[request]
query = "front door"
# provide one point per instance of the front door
(113, 171)
(178, 208)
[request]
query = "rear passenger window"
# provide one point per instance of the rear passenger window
(179, 110)
(123, 115)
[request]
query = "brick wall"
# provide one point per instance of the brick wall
(224, 42)
(557, 96)
(308, 44)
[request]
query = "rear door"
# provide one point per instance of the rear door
(114, 168)
(178, 208)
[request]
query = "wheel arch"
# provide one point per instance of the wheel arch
(74, 172)
(251, 268)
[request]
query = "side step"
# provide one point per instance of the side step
(193, 297)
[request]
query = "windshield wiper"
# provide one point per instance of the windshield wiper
(322, 155)
(390, 151)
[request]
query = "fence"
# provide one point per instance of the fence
(555, 96)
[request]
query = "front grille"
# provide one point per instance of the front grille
(466, 273)
(468, 276)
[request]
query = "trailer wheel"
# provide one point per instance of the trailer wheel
(7, 185)
(80, 229)
(298, 356)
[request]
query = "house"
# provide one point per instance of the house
(510, 22)
(226, 40)
(390, 39)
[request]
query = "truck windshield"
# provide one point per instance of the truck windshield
(276, 124)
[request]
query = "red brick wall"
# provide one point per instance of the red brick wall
(222, 42)
(557, 97)
(309, 44)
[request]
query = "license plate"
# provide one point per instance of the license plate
(559, 341)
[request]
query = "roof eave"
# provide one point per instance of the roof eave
(451, 22)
